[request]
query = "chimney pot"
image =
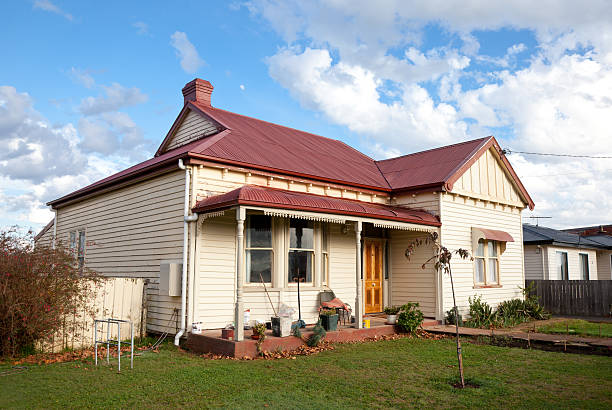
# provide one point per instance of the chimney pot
(198, 90)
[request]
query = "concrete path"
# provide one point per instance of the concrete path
(602, 342)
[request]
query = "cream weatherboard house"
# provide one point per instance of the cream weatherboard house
(229, 202)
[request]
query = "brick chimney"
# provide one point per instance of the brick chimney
(198, 90)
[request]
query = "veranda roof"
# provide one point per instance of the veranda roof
(258, 196)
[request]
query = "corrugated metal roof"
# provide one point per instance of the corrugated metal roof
(258, 142)
(428, 168)
(282, 199)
(538, 234)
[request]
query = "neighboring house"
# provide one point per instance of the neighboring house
(558, 255)
(601, 234)
(229, 201)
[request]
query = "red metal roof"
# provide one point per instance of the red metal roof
(279, 198)
(428, 168)
(260, 143)
(251, 143)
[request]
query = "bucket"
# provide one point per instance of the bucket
(366, 323)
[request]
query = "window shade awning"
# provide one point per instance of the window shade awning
(491, 235)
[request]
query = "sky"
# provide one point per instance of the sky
(90, 88)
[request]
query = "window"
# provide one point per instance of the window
(301, 250)
(562, 266)
(259, 249)
(584, 266)
(77, 247)
(486, 263)
(325, 254)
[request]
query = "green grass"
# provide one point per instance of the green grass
(395, 373)
(577, 327)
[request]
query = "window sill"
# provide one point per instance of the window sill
(303, 288)
(486, 286)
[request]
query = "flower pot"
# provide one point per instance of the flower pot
(391, 319)
(227, 334)
(329, 322)
(255, 336)
(281, 326)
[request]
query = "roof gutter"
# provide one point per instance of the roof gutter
(186, 219)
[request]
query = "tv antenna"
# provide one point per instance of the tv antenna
(537, 218)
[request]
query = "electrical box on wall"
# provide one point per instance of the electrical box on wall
(170, 279)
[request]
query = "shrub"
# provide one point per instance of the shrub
(512, 312)
(392, 310)
(532, 305)
(328, 312)
(450, 317)
(39, 286)
(410, 317)
(318, 333)
(481, 313)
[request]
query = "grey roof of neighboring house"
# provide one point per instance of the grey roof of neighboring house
(533, 235)
(603, 239)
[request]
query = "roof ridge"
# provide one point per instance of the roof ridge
(435, 149)
(205, 109)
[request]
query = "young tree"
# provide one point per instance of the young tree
(441, 260)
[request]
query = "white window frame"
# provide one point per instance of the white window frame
(485, 260)
(324, 232)
(250, 248)
(78, 247)
(557, 255)
(582, 266)
(312, 250)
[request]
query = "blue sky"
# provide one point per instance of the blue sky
(91, 88)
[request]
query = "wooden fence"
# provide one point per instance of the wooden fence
(120, 298)
(574, 297)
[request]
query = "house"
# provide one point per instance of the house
(561, 255)
(229, 202)
(601, 234)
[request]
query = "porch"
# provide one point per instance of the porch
(255, 243)
(210, 341)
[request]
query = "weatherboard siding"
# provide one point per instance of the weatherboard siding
(216, 276)
(193, 127)
(409, 281)
(459, 215)
(534, 268)
(426, 201)
(573, 262)
(604, 269)
(127, 237)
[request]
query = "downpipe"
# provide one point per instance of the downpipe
(186, 219)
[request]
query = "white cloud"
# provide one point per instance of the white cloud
(186, 52)
(364, 66)
(116, 97)
(42, 162)
(82, 77)
(242, 87)
(46, 5)
(141, 27)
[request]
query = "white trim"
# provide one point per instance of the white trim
(211, 215)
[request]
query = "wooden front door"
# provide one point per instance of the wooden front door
(372, 276)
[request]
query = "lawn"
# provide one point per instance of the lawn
(577, 327)
(394, 373)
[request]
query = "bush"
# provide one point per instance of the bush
(450, 317)
(318, 333)
(532, 305)
(410, 318)
(392, 310)
(39, 286)
(512, 312)
(481, 313)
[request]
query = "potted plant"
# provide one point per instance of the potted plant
(259, 331)
(391, 312)
(329, 319)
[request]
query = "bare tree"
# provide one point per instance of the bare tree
(441, 260)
